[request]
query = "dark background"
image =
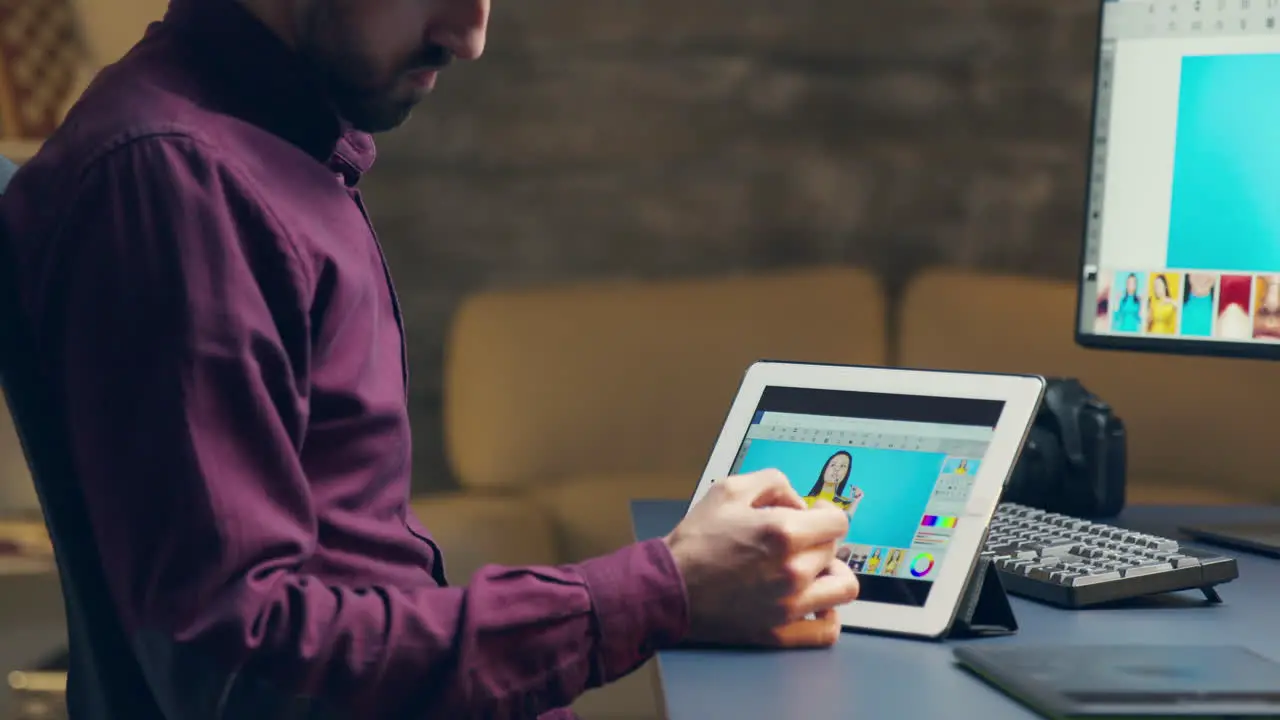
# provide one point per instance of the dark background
(658, 138)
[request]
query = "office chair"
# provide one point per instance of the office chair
(105, 680)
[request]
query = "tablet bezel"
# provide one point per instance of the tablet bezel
(1021, 395)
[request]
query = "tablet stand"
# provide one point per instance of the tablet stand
(984, 607)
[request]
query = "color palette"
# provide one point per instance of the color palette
(939, 521)
(921, 565)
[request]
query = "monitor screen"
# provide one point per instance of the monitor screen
(1182, 233)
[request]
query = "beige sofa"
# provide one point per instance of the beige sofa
(578, 398)
(563, 404)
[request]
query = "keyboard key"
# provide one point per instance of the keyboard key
(1095, 578)
(1145, 569)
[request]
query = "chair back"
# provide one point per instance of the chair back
(105, 680)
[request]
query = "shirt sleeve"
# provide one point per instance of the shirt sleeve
(187, 416)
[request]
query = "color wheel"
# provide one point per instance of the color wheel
(921, 565)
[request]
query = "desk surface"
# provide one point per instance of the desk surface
(896, 678)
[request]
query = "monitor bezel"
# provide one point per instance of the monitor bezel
(1138, 343)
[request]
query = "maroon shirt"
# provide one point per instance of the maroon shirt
(208, 293)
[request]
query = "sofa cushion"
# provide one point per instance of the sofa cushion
(1192, 421)
(633, 377)
(473, 530)
(592, 514)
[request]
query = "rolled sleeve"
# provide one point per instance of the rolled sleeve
(640, 604)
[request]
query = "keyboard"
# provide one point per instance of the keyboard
(1074, 563)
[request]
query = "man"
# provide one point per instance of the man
(215, 310)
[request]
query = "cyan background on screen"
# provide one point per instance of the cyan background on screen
(1228, 147)
(897, 484)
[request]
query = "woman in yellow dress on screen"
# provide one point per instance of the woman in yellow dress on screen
(1266, 320)
(1163, 310)
(873, 562)
(891, 566)
(832, 482)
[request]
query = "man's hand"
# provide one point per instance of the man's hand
(760, 566)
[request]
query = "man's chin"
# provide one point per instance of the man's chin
(380, 119)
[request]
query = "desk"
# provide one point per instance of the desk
(899, 679)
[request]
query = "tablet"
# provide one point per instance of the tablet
(1126, 681)
(918, 459)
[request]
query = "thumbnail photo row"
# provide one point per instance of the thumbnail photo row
(1192, 304)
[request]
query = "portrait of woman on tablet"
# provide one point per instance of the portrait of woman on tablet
(832, 483)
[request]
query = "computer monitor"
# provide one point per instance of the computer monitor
(1182, 219)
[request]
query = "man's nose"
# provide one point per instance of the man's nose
(462, 27)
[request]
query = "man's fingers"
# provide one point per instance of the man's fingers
(837, 586)
(806, 565)
(792, 531)
(763, 488)
(822, 630)
(771, 488)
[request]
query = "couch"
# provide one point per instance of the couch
(561, 404)
(575, 398)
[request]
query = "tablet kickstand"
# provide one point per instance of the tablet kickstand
(984, 609)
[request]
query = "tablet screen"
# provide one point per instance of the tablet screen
(901, 466)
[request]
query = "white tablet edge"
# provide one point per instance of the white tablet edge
(1021, 397)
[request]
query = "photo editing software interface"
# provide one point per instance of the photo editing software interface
(901, 466)
(1182, 237)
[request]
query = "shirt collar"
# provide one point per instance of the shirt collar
(265, 83)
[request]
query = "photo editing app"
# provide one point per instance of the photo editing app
(1182, 235)
(901, 467)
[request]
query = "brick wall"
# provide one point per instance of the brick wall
(666, 137)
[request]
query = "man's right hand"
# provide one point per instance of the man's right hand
(760, 566)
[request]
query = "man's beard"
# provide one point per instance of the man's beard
(369, 110)
(344, 75)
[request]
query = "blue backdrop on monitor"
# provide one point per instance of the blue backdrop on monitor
(896, 484)
(1226, 174)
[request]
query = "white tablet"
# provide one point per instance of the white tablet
(917, 458)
